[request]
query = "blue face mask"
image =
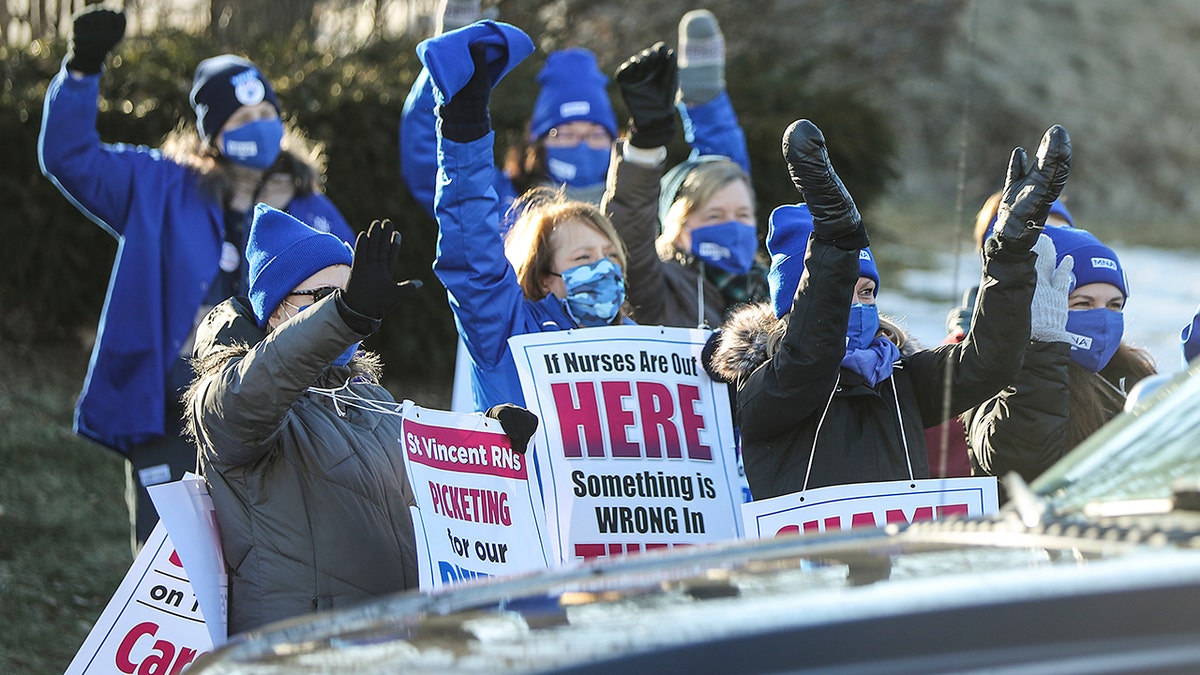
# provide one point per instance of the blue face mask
(863, 326)
(727, 246)
(580, 166)
(254, 144)
(1095, 335)
(595, 292)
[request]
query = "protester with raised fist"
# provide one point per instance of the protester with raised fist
(1077, 371)
(692, 236)
(830, 393)
(182, 217)
(565, 265)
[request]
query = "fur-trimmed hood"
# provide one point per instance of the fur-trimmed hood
(746, 337)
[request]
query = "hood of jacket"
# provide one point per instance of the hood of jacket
(745, 337)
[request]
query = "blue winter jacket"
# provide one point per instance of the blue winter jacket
(488, 303)
(418, 149)
(169, 234)
(711, 128)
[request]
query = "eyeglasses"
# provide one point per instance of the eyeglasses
(569, 138)
(317, 294)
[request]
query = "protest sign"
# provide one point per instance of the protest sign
(152, 624)
(186, 509)
(841, 507)
(479, 509)
(636, 445)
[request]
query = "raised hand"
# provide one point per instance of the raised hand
(835, 218)
(648, 82)
(1048, 310)
(372, 290)
(1030, 189)
(94, 32)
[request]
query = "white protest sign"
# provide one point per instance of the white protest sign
(636, 444)
(479, 508)
(186, 509)
(153, 622)
(841, 507)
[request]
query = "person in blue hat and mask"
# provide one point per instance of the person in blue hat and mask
(561, 266)
(1075, 376)
(692, 234)
(828, 392)
(181, 215)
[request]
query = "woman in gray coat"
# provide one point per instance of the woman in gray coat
(300, 453)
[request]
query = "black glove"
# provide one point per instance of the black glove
(95, 31)
(517, 422)
(1030, 190)
(835, 218)
(372, 290)
(465, 117)
(648, 81)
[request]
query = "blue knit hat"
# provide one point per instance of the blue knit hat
(282, 252)
(223, 84)
(788, 230)
(573, 88)
(1094, 262)
(447, 57)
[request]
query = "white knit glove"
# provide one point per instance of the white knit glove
(1048, 310)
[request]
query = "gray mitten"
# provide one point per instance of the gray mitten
(454, 14)
(1048, 310)
(701, 57)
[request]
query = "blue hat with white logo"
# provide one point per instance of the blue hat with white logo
(282, 252)
(1094, 262)
(223, 84)
(573, 89)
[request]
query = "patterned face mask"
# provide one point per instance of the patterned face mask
(595, 292)
(255, 144)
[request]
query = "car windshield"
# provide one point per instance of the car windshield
(1137, 456)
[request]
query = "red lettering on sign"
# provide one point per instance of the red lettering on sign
(162, 659)
(661, 420)
(657, 408)
(573, 418)
(619, 419)
(693, 423)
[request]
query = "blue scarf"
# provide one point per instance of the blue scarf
(874, 362)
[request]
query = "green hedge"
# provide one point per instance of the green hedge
(57, 263)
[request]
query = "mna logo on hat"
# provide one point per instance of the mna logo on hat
(248, 88)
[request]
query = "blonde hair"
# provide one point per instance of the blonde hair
(701, 183)
(527, 244)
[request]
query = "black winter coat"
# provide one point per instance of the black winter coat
(782, 399)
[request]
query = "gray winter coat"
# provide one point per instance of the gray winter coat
(867, 433)
(311, 497)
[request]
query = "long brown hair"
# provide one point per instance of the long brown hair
(1095, 398)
